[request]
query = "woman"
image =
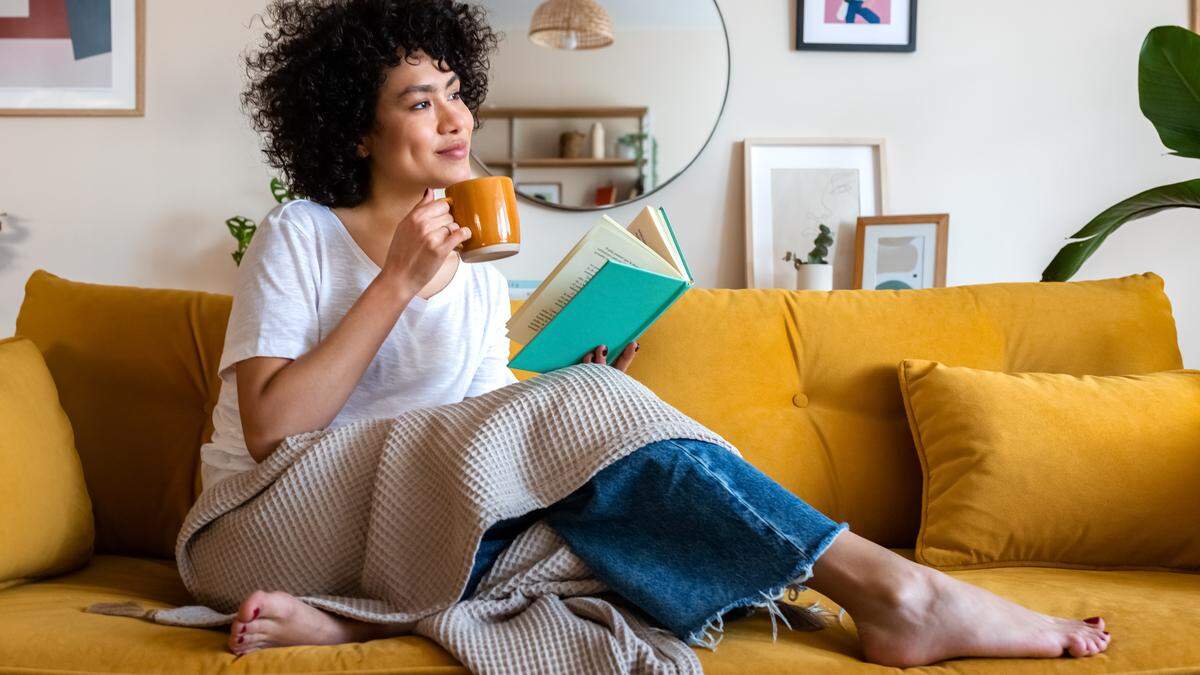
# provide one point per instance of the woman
(353, 304)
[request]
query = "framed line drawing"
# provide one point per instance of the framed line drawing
(794, 185)
(72, 57)
(901, 252)
(857, 25)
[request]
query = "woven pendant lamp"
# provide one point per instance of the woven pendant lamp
(571, 24)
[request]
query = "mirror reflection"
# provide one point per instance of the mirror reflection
(594, 103)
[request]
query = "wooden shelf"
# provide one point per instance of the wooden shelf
(530, 113)
(562, 163)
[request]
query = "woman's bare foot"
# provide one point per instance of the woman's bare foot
(908, 614)
(277, 619)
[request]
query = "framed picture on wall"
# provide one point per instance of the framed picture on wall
(901, 252)
(72, 57)
(857, 25)
(795, 185)
(546, 192)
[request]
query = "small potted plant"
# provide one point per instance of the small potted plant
(815, 273)
(243, 228)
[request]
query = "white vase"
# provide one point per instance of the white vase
(814, 277)
(598, 141)
(626, 151)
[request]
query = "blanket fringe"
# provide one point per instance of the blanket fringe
(127, 608)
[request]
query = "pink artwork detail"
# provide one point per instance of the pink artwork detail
(864, 11)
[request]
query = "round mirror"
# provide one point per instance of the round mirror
(595, 103)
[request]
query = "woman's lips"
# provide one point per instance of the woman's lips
(454, 152)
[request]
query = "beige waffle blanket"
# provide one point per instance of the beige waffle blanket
(379, 520)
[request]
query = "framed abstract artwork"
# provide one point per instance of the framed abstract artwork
(72, 57)
(857, 25)
(795, 185)
(549, 192)
(901, 252)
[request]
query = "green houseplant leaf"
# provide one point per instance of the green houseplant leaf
(1071, 256)
(1169, 87)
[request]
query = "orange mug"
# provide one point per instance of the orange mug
(488, 206)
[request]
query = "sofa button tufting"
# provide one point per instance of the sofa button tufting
(800, 400)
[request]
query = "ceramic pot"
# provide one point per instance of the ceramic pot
(814, 277)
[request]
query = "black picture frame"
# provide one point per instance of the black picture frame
(910, 46)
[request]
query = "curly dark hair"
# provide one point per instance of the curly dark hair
(313, 87)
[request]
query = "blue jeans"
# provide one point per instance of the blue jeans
(684, 530)
(856, 8)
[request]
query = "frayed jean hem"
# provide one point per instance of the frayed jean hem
(712, 631)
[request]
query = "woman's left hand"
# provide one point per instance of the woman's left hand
(600, 354)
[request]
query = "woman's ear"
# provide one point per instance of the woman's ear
(362, 150)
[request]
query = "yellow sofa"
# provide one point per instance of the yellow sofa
(804, 383)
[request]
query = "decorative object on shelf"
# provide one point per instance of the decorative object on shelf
(632, 146)
(551, 193)
(1168, 79)
(597, 136)
(606, 195)
(901, 252)
(794, 184)
(570, 144)
(814, 272)
(242, 229)
(857, 25)
(571, 24)
(73, 58)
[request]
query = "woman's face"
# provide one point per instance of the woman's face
(422, 133)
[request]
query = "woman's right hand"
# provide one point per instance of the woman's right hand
(422, 242)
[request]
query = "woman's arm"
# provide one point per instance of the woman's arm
(279, 397)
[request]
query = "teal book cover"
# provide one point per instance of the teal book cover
(613, 308)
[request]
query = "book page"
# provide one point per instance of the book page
(650, 229)
(602, 243)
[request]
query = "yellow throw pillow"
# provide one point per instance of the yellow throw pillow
(1055, 470)
(46, 523)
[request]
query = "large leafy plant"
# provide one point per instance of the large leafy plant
(243, 228)
(1169, 95)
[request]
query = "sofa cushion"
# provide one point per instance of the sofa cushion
(135, 369)
(1099, 472)
(43, 628)
(45, 512)
(803, 382)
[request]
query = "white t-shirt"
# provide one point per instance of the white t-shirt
(299, 277)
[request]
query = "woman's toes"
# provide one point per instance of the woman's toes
(1078, 645)
(1095, 622)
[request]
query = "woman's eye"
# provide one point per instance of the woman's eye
(424, 102)
(421, 105)
(456, 95)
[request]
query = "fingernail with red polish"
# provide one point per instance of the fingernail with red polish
(239, 638)
(637, 346)
(255, 612)
(1094, 619)
(243, 630)
(1105, 632)
(604, 351)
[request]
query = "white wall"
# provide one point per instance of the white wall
(1019, 119)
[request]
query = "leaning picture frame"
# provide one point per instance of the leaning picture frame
(73, 58)
(794, 185)
(856, 25)
(901, 252)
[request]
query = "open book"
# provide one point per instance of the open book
(608, 290)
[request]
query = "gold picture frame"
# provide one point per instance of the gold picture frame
(139, 84)
(933, 271)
